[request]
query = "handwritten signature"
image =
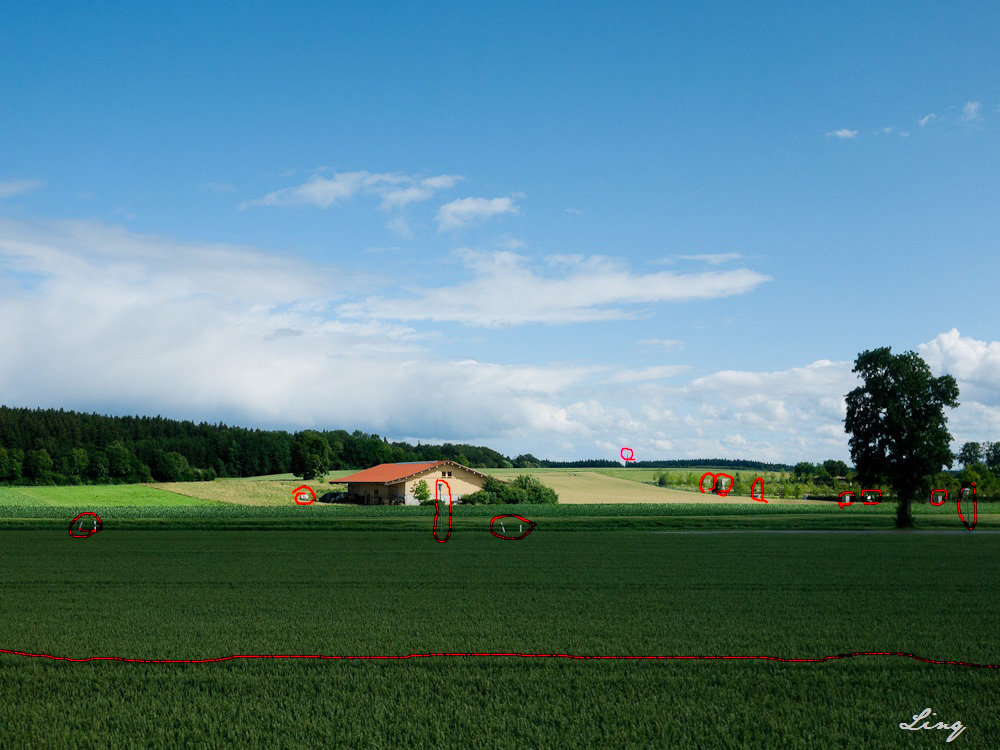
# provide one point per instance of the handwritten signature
(956, 729)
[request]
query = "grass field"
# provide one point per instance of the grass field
(136, 495)
(574, 486)
(190, 594)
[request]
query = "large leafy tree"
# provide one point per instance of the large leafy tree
(311, 455)
(970, 454)
(898, 429)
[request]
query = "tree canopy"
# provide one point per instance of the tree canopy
(897, 424)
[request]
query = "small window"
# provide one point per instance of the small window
(449, 473)
(443, 474)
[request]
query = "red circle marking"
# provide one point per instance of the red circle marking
(701, 482)
(872, 502)
(943, 499)
(296, 494)
(630, 455)
(759, 499)
(841, 503)
(98, 525)
(531, 527)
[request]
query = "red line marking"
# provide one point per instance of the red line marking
(526, 656)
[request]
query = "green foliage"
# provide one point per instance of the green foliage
(661, 479)
(311, 455)
(804, 469)
(836, 468)
(526, 461)
(897, 424)
(171, 467)
(991, 456)
(529, 489)
(422, 492)
(38, 464)
(970, 453)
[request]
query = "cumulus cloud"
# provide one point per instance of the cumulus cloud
(131, 323)
(10, 188)
(843, 133)
(396, 190)
(970, 112)
(506, 291)
(926, 119)
(196, 330)
(464, 211)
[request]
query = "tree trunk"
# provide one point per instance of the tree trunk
(904, 519)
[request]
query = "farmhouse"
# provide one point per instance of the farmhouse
(392, 484)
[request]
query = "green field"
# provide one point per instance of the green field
(191, 594)
(135, 495)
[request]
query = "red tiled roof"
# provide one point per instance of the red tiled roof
(392, 473)
(388, 473)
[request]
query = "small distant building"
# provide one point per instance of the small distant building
(392, 484)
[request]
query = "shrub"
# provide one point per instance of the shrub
(422, 492)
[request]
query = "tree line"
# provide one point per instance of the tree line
(55, 446)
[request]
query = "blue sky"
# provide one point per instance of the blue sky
(555, 230)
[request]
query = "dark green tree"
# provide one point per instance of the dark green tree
(835, 468)
(526, 461)
(803, 470)
(971, 453)
(97, 467)
(170, 466)
(38, 465)
(120, 460)
(898, 428)
(311, 455)
(991, 456)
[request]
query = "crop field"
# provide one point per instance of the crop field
(187, 594)
(105, 495)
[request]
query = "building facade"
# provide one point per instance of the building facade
(394, 484)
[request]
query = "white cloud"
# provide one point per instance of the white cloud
(463, 211)
(887, 130)
(971, 112)
(843, 133)
(658, 372)
(142, 324)
(712, 258)
(904, 134)
(667, 345)
(504, 291)
(573, 211)
(11, 188)
(926, 119)
(396, 190)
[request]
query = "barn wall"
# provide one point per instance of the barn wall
(462, 482)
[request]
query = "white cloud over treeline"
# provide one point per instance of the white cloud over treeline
(99, 317)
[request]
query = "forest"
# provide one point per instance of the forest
(55, 446)
(50, 446)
